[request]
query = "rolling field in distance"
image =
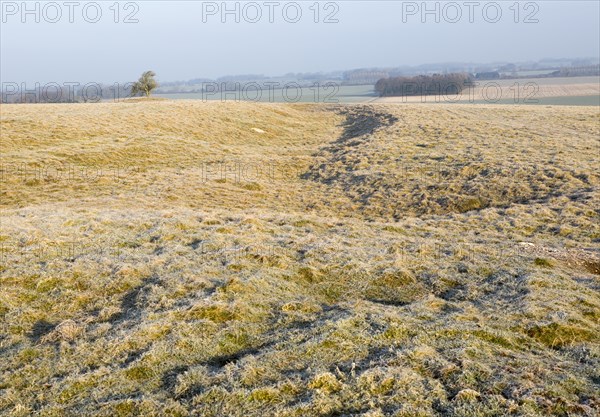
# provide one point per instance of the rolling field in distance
(568, 91)
(184, 258)
(324, 92)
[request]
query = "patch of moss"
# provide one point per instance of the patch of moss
(265, 395)
(493, 338)
(252, 186)
(125, 409)
(77, 388)
(215, 313)
(543, 262)
(28, 354)
(139, 373)
(556, 335)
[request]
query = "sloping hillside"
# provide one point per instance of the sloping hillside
(236, 259)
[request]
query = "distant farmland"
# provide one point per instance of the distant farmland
(583, 91)
(571, 91)
(333, 93)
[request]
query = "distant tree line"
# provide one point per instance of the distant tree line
(422, 85)
(74, 92)
(65, 93)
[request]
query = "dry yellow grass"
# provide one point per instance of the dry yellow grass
(235, 259)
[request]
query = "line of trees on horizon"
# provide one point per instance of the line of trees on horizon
(423, 85)
(72, 92)
(13, 93)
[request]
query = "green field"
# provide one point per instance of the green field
(325, 93)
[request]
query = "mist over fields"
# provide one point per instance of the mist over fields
(192, 40)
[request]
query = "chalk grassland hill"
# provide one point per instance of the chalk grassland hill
(231, 259)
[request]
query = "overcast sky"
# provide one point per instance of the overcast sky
(185, 40)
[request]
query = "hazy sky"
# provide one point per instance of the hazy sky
(180, 42)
